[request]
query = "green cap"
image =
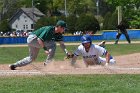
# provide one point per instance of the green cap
(61, 23)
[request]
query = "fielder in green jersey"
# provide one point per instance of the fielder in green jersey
(45, 38)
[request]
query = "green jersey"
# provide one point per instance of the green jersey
(47, 33)
(58, 37)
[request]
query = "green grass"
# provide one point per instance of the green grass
(71, 84)
(13, 54)
(123, 49)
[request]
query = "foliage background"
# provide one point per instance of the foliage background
(55, 9)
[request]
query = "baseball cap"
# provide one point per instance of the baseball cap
(61, 23)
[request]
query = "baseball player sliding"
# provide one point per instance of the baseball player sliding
(92, 53)
(45, 38)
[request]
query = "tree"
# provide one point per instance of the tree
(104, 8)
(113, 21)
(9, 8)
(130, 10)
(106, 20)
(87, 22)
(71, 20)
(45, 6)
(110, 21)
(44, 21)
(4, 26)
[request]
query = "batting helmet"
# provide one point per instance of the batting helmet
(86, 39)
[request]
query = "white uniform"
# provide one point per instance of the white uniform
(93, 56)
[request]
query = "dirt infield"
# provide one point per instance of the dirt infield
(127, 64)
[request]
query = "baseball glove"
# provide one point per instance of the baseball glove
(70, 55)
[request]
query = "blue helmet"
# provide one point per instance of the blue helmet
(86, 39)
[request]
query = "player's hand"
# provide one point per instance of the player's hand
(106, 64)
(70, 55)
(47, 52)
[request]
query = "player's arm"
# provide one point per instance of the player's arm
(63, 47)
(73, 60)
(107, 58)
(75, 55)
(59, 39)
(103, 52)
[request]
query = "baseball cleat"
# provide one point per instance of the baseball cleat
(12, 67)
(115, 43)
(102, 44)
(44, 64)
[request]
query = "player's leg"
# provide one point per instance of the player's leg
(117, 38)
(32, 56)
(102, 61)
(51, 46)
(112, 61)
(102, 44)
(34, 47)
(33, 52)
(127, 37)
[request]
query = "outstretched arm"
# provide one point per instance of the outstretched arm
(107, 58)
(62, 45)
(73, 60)
(68, 54)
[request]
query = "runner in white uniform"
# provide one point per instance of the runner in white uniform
(92, 53)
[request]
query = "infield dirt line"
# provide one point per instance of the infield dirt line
(113, 68)
(37, 71)
(125, 68)
(19, 71)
